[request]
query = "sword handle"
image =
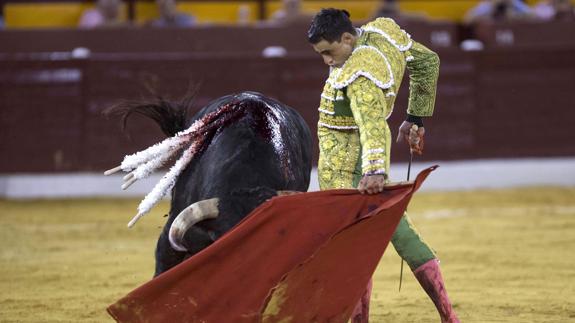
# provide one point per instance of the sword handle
(413, 137)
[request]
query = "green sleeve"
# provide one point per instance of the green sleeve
(423, 66)
(370, 110)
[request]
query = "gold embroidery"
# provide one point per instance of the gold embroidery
(367, 61)
(371, 77)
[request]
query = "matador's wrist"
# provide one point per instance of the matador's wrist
(376, 172)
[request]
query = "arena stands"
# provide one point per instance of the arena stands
(506, 99)
(66, 13)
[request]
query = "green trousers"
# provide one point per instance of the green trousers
(409, 244)
(407, 241)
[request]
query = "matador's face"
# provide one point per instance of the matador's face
(336, 53)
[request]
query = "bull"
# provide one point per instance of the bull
(242, 150)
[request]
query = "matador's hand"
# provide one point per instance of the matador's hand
(412, 135)
(371, 184)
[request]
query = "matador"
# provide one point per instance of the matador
(367, 65)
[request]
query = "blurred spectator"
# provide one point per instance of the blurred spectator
(390, 9)
(290, 13)
(498, 10)
(555, 10)
(170, 16)
(105, 14)
(244, 14)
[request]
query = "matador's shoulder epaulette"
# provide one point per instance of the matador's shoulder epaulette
(366, 61)
(388, 29)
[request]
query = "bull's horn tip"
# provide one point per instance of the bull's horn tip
(174, 243)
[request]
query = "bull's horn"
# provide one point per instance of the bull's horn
(201, 210)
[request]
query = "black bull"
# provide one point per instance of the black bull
(258, 146)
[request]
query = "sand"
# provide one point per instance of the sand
(507, 256)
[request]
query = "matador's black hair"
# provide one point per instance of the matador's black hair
(329, 24)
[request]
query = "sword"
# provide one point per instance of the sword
(413, 128)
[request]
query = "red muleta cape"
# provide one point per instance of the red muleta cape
(298, 258)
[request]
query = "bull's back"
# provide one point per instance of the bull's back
(270, 140)
(269, 145)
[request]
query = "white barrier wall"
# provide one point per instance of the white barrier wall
(451, 175)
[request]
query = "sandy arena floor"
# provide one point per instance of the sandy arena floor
(507, 256)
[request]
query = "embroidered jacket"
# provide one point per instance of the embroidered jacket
(359, 96)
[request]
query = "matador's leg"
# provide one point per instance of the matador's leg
(425, 266)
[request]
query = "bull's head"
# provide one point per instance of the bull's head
(199, 211)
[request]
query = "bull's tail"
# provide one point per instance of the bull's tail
(171, 116)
